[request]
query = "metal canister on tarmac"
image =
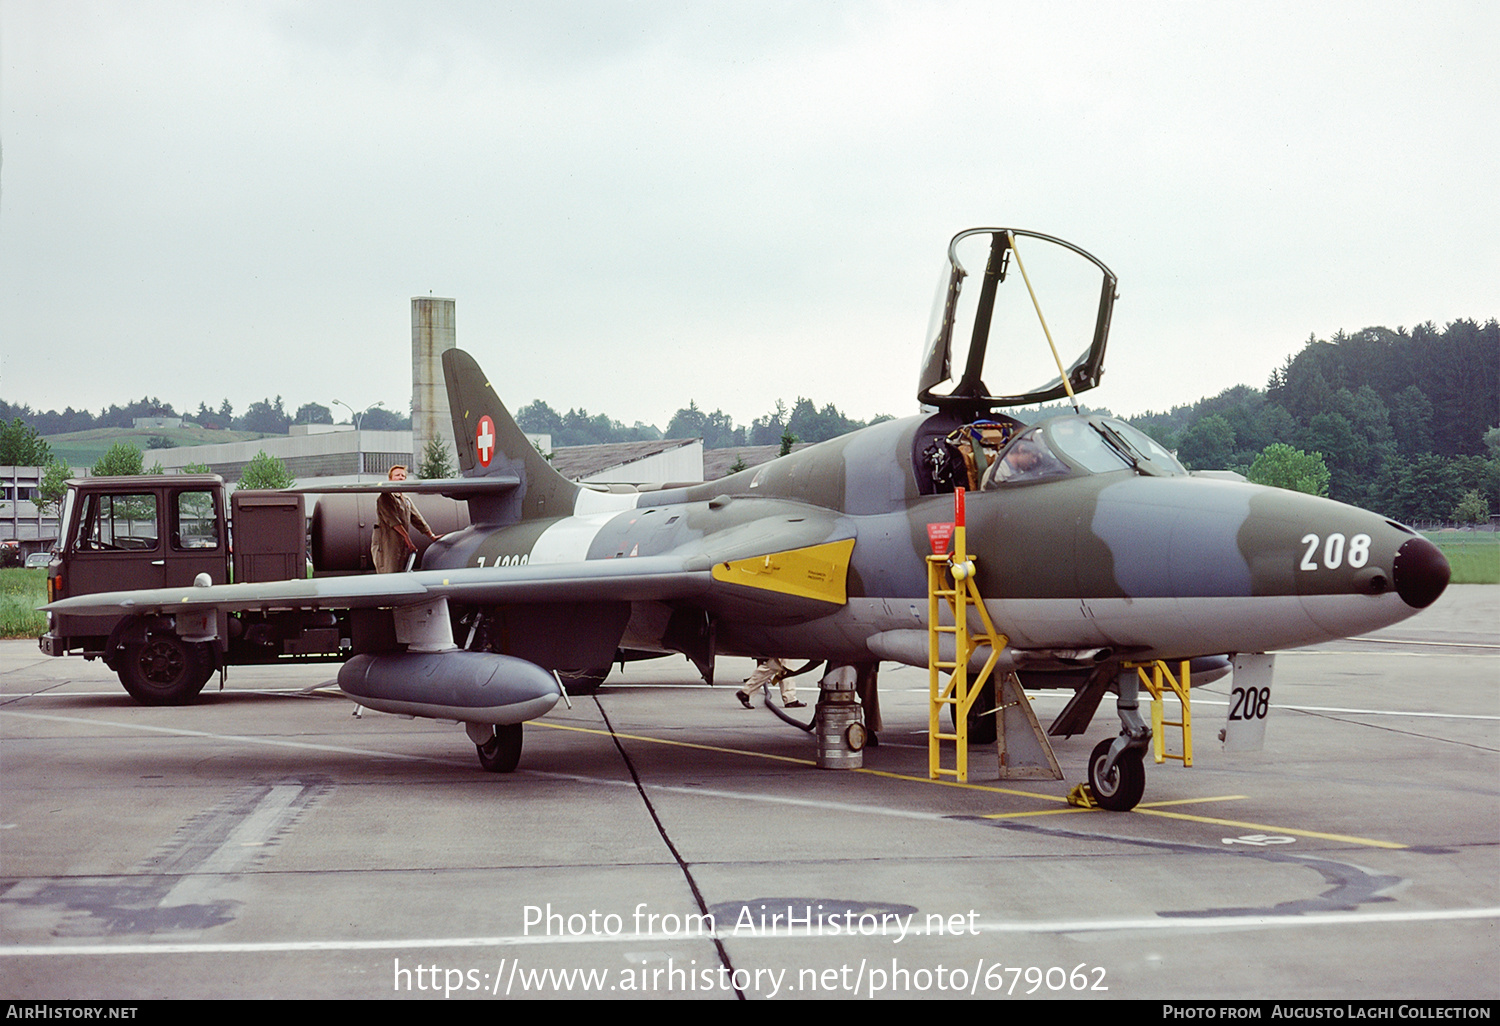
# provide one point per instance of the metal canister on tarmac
(840, 722)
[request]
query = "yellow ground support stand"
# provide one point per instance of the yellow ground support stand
(1158, 683)
(957, 692)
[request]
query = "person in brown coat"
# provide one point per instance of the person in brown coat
(391, 546)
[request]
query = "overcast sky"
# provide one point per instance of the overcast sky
(638, 204)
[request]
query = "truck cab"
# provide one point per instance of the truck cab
(163, 531)
(126, 533)
(171, 530)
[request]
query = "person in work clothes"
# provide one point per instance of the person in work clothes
(768, 672)
(391, 547)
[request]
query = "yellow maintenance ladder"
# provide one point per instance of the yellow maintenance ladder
(957, 692)
(1158, 683)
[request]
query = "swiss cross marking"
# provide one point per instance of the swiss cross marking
(484, 438)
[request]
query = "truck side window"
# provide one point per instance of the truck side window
(118, 522)
(194, 525)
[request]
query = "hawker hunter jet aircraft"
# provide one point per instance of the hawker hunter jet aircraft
(1093, 547)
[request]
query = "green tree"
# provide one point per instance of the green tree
(266, 418)
(122, 460)
(53, 487)
(811, 424)
(1413, 421)
(716, 429)
(1421, 490)
(312, 413)
(266, 471)
(768, 429)
(22, 446)
(1281, 466)
(1473, 508)
(377, 419)
(787, 441)
(1208, 444)
(436, 463)
(538, 418)
(688, 422)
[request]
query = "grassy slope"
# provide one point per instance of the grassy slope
(83, 448)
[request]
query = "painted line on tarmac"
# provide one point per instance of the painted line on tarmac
(1147, 810)
(1143, 809)
(1290, 653)
(1156, 809)
(1360, 712)
(1434, 644)
(1060, 926)
(313, 691)
(675, 744)
(1377, 712)
(1138, 808)
(801, 762)
(242, 738)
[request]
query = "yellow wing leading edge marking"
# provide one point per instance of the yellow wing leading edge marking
(817, 572)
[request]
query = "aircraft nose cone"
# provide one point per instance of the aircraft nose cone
(1421, 573)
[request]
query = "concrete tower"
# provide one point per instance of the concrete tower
(432, 334)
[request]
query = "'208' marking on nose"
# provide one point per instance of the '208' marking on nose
(1333, 552)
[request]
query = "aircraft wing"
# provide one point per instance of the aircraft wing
(452, 487)
(650, 578)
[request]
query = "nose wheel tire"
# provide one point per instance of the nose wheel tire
(1121, 789)
(502, 752)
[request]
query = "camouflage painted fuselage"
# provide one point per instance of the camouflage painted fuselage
(1139, 565)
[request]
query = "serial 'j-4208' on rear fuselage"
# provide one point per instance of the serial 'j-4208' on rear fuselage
(1094, 548)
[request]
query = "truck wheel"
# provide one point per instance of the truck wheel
(165, 670)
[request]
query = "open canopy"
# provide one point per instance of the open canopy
(1048, 314)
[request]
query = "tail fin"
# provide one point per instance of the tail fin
(490, 444)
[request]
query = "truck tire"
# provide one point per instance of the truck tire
(165, 670)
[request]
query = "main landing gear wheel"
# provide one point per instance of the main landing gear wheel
(1121, 790)
(984, 727)
(165, 670)
(502, 752)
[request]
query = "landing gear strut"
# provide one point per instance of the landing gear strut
(1117, 772)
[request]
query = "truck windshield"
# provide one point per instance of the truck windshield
(125, 521)
(65, 522)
